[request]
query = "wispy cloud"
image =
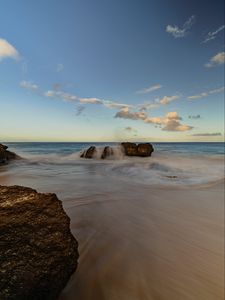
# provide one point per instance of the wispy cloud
(216, 60)
(158, 102)
(207, 134)
(150, 89)
(61, 95)
(59, 67)
(167, 99)
(182, 31)
(29, 85)
(212, 35)
(90, 100)
(68, 97)
(7, 50)
(206, 94)
(194, 117)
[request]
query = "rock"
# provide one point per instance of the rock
(89, 153)
(38, 253)
(130, 149)
(6, 155)
(108, 151)
(143, 150)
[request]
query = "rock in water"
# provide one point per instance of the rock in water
(89, 152)
(108, 151)
(145, 149)
(38, 253)
(6, 155)
(131, 149)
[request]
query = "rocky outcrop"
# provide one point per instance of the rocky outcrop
(132, 149)
(89, 153)
(38, 253)
(6, 155)
(128, 149)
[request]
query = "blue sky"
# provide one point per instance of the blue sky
(112, 70)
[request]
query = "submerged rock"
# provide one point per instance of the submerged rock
(132, 149)
(6, 155)
(38, 253)
(89, 153)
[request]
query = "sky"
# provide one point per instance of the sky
(112, 70)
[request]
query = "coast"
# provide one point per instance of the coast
(141, 234)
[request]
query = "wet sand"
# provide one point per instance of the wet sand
(149, 243)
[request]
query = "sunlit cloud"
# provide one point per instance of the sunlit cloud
(158, 102)
(7, 50)
(212, 35)
(125, 113)
(111, 104)
(150, 89)
(206, 94)
(169, 122)
(90, 100)
(61, 95)
(167, 99)
(216, 60)
(182, 31)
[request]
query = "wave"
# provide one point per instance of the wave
(160, 169)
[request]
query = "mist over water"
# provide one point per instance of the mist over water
(148, 228)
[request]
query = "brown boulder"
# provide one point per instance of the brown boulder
(37, 250)
(108, 151)
(6, 155)
(89, 153)
(132, 149)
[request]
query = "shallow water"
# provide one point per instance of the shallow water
(142, 233)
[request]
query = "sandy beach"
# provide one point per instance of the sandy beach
(156, 244)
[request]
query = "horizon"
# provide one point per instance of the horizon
(155, 74)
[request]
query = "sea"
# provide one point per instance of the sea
(148, 228)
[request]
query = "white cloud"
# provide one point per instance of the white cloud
(212, 35)
(206, 94)
(28, 85)
(216, 60)
(59, 67)
(7, 50)
(150, 89)
(180, 32)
